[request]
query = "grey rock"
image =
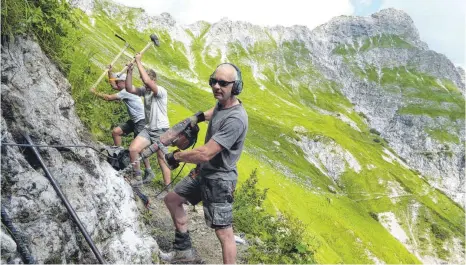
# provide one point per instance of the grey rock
(8, 247)
(36, 100)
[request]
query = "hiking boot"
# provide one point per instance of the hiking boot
(134, 179)
(148, 177)
(180, 256)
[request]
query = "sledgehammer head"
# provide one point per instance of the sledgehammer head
(154, 38)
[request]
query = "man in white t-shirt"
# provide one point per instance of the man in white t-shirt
(155, 105)
(135, 110)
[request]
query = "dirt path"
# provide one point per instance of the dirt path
(161, 226)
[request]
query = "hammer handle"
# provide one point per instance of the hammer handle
(106, 70)
(141, 52)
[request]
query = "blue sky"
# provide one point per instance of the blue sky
(441, 23)
(366, 8)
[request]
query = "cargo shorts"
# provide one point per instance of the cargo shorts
(154, 136)
(217, 196)
(131, 127)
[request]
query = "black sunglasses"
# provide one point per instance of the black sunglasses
(222, 83)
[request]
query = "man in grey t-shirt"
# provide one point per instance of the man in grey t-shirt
(214, 180)
(155, 103)
(135, 110)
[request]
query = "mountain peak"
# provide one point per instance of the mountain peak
(389, 21)
(392, 13)
(166, 18)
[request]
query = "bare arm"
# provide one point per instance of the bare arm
(105, 96)
(208, 114)
(145, 77)
(200, 154)
(111, 79)
(129, 80)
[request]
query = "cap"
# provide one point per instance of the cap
(120, 77)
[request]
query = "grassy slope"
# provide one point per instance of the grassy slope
(339, 225)
(422, 94)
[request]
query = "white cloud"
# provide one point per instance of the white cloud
(365, 2)
(259, 12)
(440, 23)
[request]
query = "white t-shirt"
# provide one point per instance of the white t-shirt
(133, 105)
(155, 108)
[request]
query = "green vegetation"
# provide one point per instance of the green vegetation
(51, 23)
(443, 136)
(365, 44)
(432, 111)
(273, 239)
(422, 94)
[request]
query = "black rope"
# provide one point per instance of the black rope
(179, 172)
(65, 201)
(58, 146)
(18, 238)
(142, 196)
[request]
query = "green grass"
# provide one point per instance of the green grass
(422, 94)
(443, 136)
(381, 41)
(431, 111)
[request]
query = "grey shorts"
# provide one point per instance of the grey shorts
(153, 136)
(217, 196)
(131, 127)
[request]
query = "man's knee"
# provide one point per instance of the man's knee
(117, 131)
(134, 149)
(172, 199)
(136, 146)
(224, 234)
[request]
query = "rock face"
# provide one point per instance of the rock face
(442, 162)
(330, 158)
(36, 100)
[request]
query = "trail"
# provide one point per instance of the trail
(158, 219)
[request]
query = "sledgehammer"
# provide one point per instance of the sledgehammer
(106, 70)
(153, 40)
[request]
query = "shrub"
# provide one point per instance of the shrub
(362, 115)
(52, 22)
(276, 239)
(374, 216)
(439, 232)
(374, 131)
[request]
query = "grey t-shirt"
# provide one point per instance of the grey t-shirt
(155, 108)
(228, 127)
(133, 105)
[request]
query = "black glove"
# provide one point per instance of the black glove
(198, 117)
(171, 161)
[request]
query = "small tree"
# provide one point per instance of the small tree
(273, 239)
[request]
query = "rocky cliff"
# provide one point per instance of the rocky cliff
(36, 100)
(406, 91)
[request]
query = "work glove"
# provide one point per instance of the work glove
(171, 161)
(196, 118)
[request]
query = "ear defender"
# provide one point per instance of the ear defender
(238, 85)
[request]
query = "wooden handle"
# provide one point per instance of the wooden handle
(141, 52)
(106, 70)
